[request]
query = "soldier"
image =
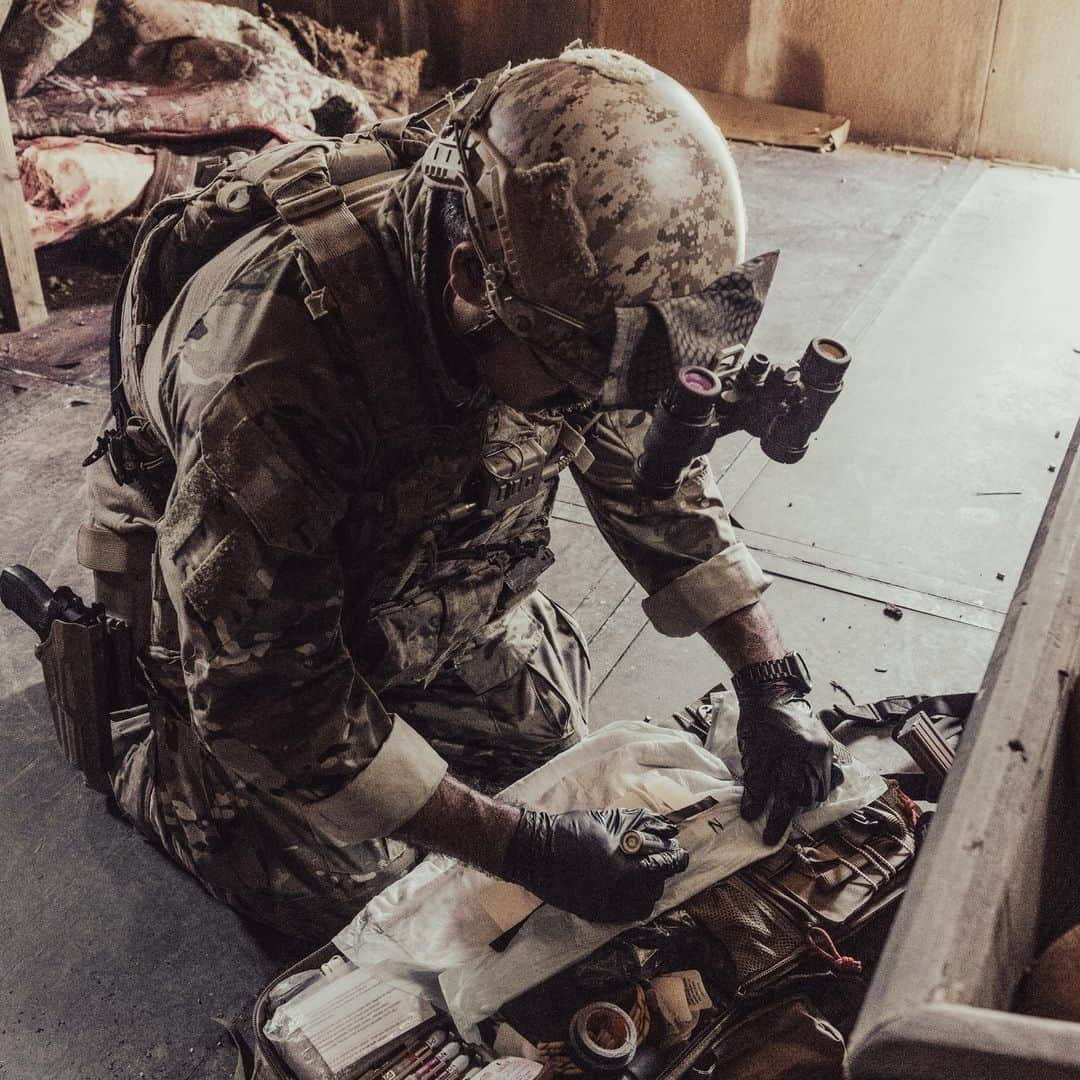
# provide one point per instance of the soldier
(335, 586)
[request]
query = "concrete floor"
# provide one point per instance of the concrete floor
(952, 282)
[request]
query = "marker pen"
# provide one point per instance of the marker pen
(455, 1069)
(408, 1058)
(434, 1062)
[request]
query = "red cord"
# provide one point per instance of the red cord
(825, 947)
(909, 806)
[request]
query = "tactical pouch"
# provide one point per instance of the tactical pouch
(76, 663)
(813, 893)
(783, 1040)
(267, 1063)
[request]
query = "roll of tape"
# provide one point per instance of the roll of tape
(602, 1036)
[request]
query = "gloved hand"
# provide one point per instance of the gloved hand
(574, 861)
(787, 754)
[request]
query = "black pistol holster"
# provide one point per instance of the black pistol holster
(88, 665)
(78, 662)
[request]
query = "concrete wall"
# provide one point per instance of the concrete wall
(905, 71)
(1032, 107)
(1000, 78)
(996, 78)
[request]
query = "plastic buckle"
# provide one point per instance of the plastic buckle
(119, 458)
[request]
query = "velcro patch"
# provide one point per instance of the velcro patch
(224, 585)
(186, 511)
(264, 475)
(542, 219)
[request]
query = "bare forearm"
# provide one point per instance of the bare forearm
(745, 636)
(461, 822)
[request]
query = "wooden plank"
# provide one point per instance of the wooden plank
(960, 1041)
(971, 919)
(21, 299)
(777, 125)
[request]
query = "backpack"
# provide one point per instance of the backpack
(300, 184)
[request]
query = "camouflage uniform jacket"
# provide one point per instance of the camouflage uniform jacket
(296, 570)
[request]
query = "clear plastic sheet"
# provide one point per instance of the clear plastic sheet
(430, 932)
(327, 1023)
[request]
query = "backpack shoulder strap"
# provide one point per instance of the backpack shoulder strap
(354, 277)
(300, 182)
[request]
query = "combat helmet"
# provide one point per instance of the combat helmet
(597, 188)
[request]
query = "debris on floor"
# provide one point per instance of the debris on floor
(764, 123)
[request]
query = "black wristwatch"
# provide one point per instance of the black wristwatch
(791, 668)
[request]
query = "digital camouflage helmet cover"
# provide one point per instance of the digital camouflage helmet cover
(606, 212)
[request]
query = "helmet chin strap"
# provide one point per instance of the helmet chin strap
(448, 164)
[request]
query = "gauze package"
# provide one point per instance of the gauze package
(431, 931)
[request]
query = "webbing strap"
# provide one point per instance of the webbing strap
(276, 162)
(892, 711)
(480, 100)
(351, 264)
(113, 553)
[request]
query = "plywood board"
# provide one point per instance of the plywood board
(939, 455)
(777, 125)
(844, 638)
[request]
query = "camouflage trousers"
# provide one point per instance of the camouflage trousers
(516, 698)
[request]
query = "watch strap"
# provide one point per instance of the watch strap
(791, 668)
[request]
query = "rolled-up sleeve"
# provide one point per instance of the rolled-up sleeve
(398, 780)
(682, 550)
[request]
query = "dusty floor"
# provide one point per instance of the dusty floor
(952, 283)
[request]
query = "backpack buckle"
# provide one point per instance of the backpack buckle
(126, 458)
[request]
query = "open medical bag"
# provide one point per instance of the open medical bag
(757, 975)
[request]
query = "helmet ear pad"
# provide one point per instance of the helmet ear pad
(542, 231)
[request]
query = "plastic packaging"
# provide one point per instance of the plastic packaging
(430, 931)
(328, 1022)
(509, 1068)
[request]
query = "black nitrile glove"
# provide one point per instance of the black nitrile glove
(787, 754)
(574, 861)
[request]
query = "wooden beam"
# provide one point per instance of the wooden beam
(991, 877)
(21, 300)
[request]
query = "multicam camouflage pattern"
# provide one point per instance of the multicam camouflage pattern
(310, 613)
(510, 705)
(604, 184)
